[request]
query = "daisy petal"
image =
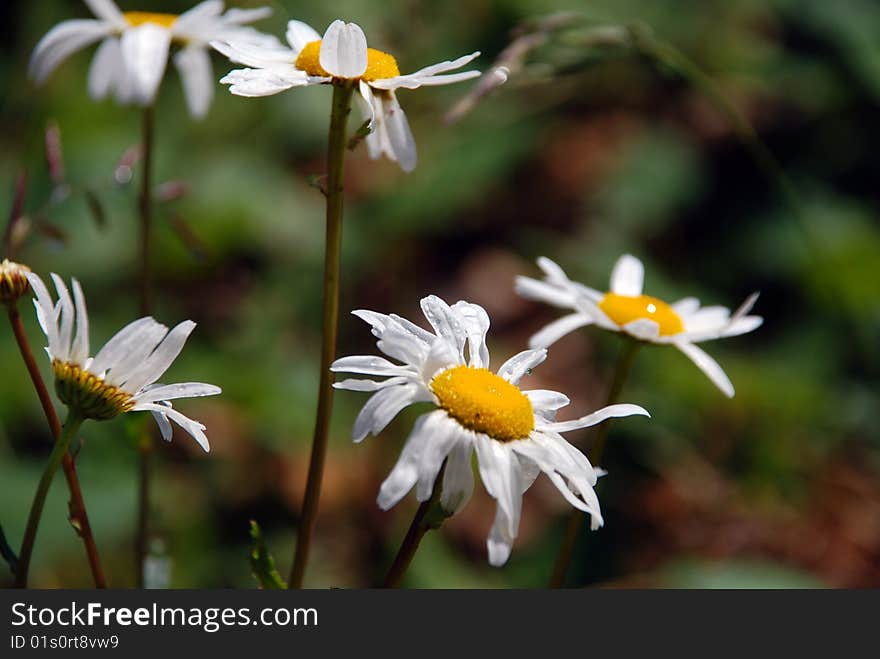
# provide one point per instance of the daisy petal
(173, 391)
(446, 323)
(197, 76)
(62, 41)
(628, 276)
(299, 34)
(381, 408)
(559, 328)
(122, 343)
(204, 10)
(517, 366)
(368, 385)
(65, 326)
(533, 289)
(80, 349)
(612, 411)
(137, 348)
(429, 75)
(280, 60)
(643, 329)
(500, 473)
(145, 54)
(476, 327)
(403, 144)
(446, 437)
(708, 365)
(241, 16)
(161, 358)
(367, 365)
(254, 83)
(544, 400)
(106, 69)
(366, 103)
(107, 10)
(414, 81)
(686, 306)
(45, 312)
(742, 326)
(194, 428)
(165, 428)
(344, 50)
(458, 479)
(500, 541)
(405, 473)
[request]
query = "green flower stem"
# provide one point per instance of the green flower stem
(30, 535)
(78, 514)
(576, 519)
(145, 442)
(430, 515)
(342, 94)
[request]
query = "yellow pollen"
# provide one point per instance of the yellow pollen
(484, 402)
(379, 65)
(623, 309)
(87, 393)
(137, 18)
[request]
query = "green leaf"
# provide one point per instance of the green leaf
(262, 563)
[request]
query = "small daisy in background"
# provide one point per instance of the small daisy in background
(341, 55)
(624, 308)
(135, 45)
(122, 376)
(513, 431)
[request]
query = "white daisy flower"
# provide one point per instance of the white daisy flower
(122, 376)
(342, 54)
(514, 432)
(626, 309)
(131, 60)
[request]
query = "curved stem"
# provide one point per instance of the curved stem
(429, 516)
(566, 549)
(30, 535)
(342, 93)
(78, 514)
(145, 445)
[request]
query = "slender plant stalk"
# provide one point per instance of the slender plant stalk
(575, 520)
(342, 94)
(78, 513)
(145, 444)
(30, 535)
(428, 516)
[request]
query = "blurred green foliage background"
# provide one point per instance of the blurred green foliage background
(587, 152)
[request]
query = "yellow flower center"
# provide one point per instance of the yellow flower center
(484, 402)
(88, 394)
(379, 65)
(623, 309)
(137, 18)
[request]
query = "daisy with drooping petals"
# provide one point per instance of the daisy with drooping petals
(341, 55)
(514, 432)
(626, 309)
(131, 60)
(122, 376)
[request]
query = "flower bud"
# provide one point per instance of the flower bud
(13, 281)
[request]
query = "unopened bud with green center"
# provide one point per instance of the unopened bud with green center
(87, 394)
(13, 281)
